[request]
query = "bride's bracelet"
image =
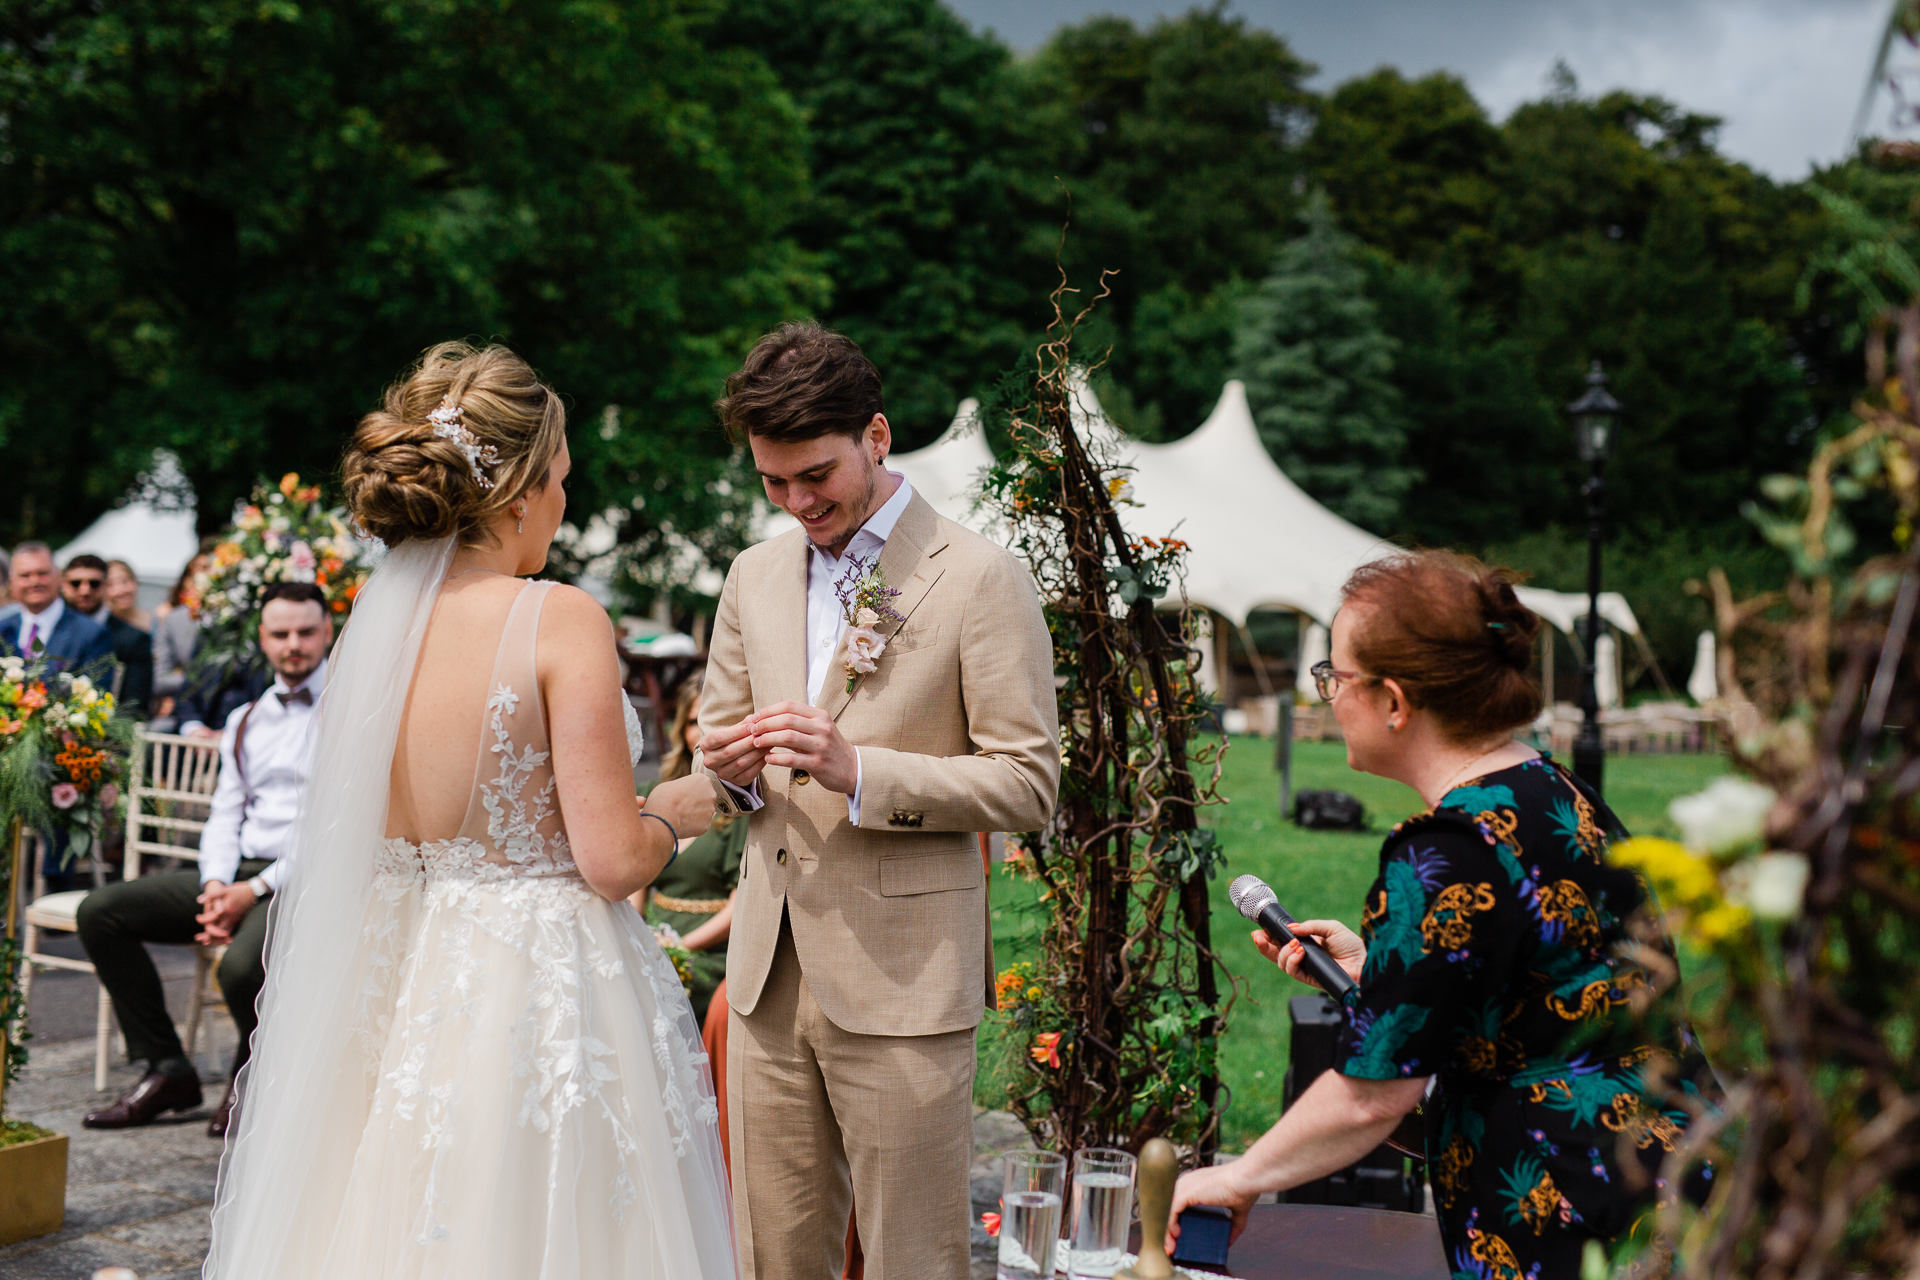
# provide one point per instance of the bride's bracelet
(672, 835)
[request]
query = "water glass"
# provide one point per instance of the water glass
(1030, 1214)
(1102, 1212)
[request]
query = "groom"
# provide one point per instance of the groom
(860, 961)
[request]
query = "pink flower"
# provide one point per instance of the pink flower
(862, 648)
(65, 795)
(109, 796)
(303, 561)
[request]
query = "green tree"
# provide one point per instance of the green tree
(928, 185)
(224, 226)
(1318, 370)
(1414, 168)
(1481, 434)
(1180, 145)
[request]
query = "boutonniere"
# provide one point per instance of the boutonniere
(866, 601)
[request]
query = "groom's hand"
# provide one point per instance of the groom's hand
(802, 737)
(732, 754)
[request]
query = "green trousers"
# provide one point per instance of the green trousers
(116, 920)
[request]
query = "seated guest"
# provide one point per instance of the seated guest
(123, 596)
(69, 639)
(176, 630)
(1492, 964)
(265, 754)
(695, 893)
(84, 586)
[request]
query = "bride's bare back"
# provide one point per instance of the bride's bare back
(440, 729)
(445, 726)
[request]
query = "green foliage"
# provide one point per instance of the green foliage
(1652, 566)
(924, 207)
(225, 226)
(1179, 144)
(1318, 370)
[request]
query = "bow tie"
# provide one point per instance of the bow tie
(288, 697)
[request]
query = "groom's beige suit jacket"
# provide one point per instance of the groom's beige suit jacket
(957, 733)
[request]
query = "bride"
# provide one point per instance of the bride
(473, 1060)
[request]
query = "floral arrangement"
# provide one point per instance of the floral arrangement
(285, 534)
(63, 756)
(1719, 878)
(867, 602)
(1109, 1031)
(63, 751)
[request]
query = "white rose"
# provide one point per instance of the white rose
(1770, 885)
(866, 618)
(1729, 813)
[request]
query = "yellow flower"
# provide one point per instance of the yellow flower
(1675, 873)
(1033, 993)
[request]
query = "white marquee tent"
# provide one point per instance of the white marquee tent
(1258, 540)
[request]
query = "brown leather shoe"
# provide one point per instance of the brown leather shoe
(139, 1105)
(217, 1126)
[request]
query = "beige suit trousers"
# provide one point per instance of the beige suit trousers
(825, 1119)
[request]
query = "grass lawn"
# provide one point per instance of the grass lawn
(1322, 874)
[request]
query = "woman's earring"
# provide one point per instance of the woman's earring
(520, 525)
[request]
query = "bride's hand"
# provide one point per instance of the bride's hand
(1340, 942)
(687, 803)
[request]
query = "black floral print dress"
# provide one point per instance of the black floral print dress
(1492, 966)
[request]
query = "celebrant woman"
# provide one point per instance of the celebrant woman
(1490, 961)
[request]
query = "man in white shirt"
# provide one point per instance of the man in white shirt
(266, 751)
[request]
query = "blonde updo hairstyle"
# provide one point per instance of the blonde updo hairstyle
(404, 482)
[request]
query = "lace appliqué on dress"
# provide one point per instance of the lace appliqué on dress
(443, 911)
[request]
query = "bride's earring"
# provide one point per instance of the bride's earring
(520, 525)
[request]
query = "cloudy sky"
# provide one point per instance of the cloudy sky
(1785, 75)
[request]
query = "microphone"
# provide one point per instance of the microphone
(1258, 903)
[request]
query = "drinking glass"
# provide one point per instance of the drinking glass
(1030, 1214)
(1102, 1211)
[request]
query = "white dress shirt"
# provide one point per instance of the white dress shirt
(255, 819)
(826, 620)
(40, 624)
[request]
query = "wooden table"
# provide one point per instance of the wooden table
(1328, 1242)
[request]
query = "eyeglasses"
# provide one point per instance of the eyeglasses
(1327, 681)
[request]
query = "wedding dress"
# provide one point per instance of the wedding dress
(518, 1088)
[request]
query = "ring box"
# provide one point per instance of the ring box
(1204, 1229)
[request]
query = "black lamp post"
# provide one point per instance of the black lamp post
(1593, 415)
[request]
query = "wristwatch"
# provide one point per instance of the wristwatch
(261, 889)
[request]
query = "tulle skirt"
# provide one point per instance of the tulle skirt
(536, 1102)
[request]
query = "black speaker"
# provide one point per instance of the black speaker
(1383, 1179)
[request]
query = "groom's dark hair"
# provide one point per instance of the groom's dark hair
(800, 382)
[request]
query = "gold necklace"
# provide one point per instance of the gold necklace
(1462, 771)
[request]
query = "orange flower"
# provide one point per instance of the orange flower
(289, 482)
(83, 764)
(1046, 1049)
(33, 697)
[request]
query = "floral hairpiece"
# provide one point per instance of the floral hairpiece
(447, 425)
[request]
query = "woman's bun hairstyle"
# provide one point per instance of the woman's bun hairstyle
(405, 481)
(1453, 634)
